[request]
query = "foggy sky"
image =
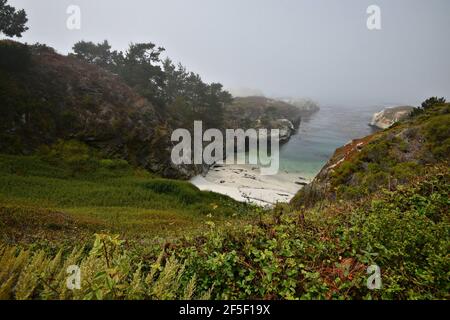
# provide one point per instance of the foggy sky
(320, 49)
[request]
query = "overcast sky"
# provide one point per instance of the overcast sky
(320, 49)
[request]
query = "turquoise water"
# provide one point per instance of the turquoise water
(320, 134)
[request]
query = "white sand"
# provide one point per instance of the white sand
(244, 183)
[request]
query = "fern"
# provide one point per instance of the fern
(107, 272)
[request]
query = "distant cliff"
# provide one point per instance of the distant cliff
(261, 112)
(384, 159)
(387, 117)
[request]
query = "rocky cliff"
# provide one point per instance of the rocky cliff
(58, 97)
(383, 160)
(387, 117)
(261, 112)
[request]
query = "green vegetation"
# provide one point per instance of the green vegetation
(324, 253)
(78, 187)
(315, 254)
(109, 272)
(180, 96)
(427, 105)
(181, 243)
(12, 21)
(14, 56)
(437, 133)
(51, 97)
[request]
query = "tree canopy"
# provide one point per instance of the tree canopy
(12, 21)
(178, 93)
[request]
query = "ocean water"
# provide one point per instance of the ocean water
(320, 134)
(301, 158)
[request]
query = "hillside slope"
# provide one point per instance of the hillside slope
(57, 97)
(385, 159)
(68, 194)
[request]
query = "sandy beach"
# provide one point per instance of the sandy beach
(244, 183)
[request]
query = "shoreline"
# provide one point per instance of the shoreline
(245, 184)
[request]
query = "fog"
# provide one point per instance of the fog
(320, 49)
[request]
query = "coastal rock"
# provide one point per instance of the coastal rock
(260, 112)
(264, 113)
(387, 117)
(286, 128)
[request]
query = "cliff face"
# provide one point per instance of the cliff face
(261, 112)
(384, 159)
(45, 97)
(387, 117)
(58, 97)
(264, 113)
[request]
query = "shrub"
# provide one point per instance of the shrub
(407, 235)
(427, 105)
(41, 48)
(317, 255)
(14, 56)
(185, 193)
(74, 154)
(437, 133)
(114, 164)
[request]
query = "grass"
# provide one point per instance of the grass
(118, 199)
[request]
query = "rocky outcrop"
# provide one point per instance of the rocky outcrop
(286, 127)
(343, 154)
(261, 112)
(264, 113)
(59, 97)
(387, 117)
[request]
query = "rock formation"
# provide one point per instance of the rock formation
(387, 117)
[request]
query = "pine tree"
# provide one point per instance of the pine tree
(12, 22)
